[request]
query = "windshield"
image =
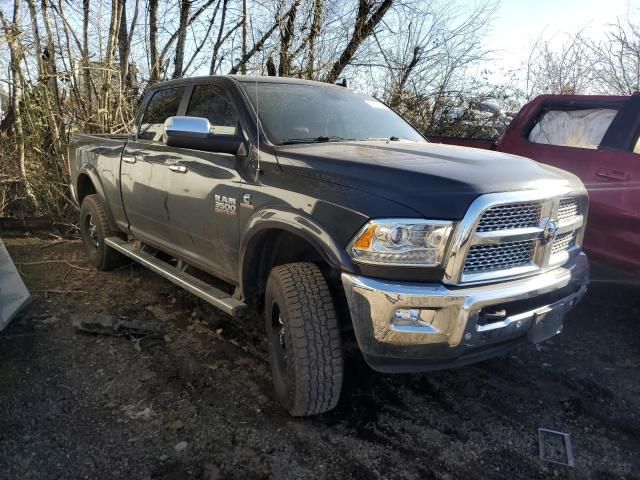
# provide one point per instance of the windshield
(292, 113)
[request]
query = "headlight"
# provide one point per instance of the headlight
(408, 242)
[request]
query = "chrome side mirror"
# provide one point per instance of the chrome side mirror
(197, 126)
(195, 133)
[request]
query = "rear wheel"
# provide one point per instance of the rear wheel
(94, 228)
(304, 339)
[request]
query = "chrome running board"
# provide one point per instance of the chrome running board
(199, 288)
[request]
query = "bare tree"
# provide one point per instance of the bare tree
(370, 14)
(12, 34)
(259, 44)
(616, 60)
(566, 69)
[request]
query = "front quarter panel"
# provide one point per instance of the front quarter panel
(325, 214)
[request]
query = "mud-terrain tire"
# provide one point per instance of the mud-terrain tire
(94, 228)
(304, 340)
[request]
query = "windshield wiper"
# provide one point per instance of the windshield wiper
(320, 139)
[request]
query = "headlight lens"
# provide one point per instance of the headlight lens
(408, 242)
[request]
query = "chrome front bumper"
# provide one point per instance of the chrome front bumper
(411, 326)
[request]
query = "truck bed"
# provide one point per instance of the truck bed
(98, 156)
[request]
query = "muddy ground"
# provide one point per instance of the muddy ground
(195, 400)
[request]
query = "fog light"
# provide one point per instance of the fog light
(413, 316)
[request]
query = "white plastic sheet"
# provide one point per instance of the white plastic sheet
(573, 128)
(13, 294)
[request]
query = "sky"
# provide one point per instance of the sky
(518, 23)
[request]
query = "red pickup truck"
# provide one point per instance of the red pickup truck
(597, 139)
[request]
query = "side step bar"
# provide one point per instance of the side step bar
(206, 292)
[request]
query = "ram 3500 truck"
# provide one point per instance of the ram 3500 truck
(328, 213)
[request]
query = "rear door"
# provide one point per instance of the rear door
(145, 169)
(204, 188)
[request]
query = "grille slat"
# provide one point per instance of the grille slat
(563, 242)
(569, 208)
(513, 215)
(485, 258)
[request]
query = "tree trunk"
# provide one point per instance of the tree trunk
(398, 88)
(154, 60)
(36, 40)
(216, 46)
(49, 58)
(316, 25)
(243, 68)
(85, 49)
(124, 47)
(185, 8)
(106, 99)
(286, 37)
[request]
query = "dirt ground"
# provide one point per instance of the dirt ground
(195, 400)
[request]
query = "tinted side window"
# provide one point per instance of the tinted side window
(210, 102)
(573, 128)
(163, 104)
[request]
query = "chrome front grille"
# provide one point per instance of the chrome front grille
(485, 258)
(513, 234)
(563, 242)
(569, 208)
(514, 215)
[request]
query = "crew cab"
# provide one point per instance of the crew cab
(327, 213)
(596, 138)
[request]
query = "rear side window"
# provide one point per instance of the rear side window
(573, 128)
(210, 102)
(163, 104)
(636, 149)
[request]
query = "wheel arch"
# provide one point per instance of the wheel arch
(277, 237)
(88, 183)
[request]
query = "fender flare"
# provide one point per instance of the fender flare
(300, 224)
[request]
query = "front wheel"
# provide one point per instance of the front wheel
(304, 339)
(94, 228)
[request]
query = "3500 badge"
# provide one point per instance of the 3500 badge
(225, 205)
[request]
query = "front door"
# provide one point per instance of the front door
(204, 188)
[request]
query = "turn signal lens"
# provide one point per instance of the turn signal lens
(366, 237)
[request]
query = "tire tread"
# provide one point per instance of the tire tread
(316, 361)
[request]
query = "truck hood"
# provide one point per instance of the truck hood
(438, 181)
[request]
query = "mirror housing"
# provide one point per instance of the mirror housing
(195, 133)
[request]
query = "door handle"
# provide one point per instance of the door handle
(129, 159)
(178, 168)
(613, 174)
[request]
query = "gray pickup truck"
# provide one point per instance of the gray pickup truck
(332, 217)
